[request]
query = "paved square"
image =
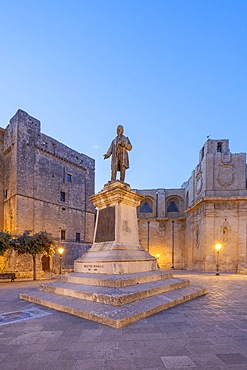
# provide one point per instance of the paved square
(209, 332)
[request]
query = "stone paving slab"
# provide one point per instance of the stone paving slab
(114, 296)
(217, 320)
(15, 316)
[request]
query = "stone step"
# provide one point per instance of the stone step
(114, 296)
(115, 316)
(115, 281)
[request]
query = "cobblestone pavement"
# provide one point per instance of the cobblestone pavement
(209, 332)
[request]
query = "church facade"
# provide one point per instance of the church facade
(182, 226)
(44, 186)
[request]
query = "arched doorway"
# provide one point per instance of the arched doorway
(45, 263)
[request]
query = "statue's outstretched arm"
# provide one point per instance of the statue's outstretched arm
(108, 153)
(128, 145)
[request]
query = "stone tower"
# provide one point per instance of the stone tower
(45, 186)
(216, 202)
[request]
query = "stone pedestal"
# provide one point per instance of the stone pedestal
(116, 248)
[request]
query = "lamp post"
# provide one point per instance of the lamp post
(60, 252)
(157, 258)
(148, 235)
(172, 266)
(218, 247)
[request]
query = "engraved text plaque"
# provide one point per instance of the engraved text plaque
(106, 225)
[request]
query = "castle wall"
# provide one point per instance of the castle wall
(46, 185)
(2, 171)
(38, 171)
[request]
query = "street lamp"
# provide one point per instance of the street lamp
(60, 252)
(148, 235)
(218, 247)
(157, 258)
(172, 266)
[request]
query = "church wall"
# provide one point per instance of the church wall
(230, 174)
(218, 174)
(156, 227)
(195, 229)
(160, 240)
(214, 210)
(188, 187)
(242, 232)
(214, 221)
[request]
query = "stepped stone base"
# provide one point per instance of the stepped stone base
(115, 300)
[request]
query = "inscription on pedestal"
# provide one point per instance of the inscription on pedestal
(106, 225)
(94, 268)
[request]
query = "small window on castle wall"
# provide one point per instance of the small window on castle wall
(63, 234)
(146, 207)
(6, 193)
(219, 147)
(69, 177)
(62, 196)
(77, 237)
(202, 153)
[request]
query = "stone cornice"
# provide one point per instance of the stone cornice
(116, 192)
(215, 199)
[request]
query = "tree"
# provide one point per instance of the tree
(39, 243)
(5, 242)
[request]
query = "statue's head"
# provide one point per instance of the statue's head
(120, 130)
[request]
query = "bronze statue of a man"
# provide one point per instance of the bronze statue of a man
(119, 152)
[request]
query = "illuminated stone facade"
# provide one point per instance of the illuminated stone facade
(44, 185)
(210, 207)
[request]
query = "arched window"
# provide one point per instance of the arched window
(226, 234)
(172, 207)
(146, 207)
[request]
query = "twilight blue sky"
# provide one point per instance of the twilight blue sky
(171, 71)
